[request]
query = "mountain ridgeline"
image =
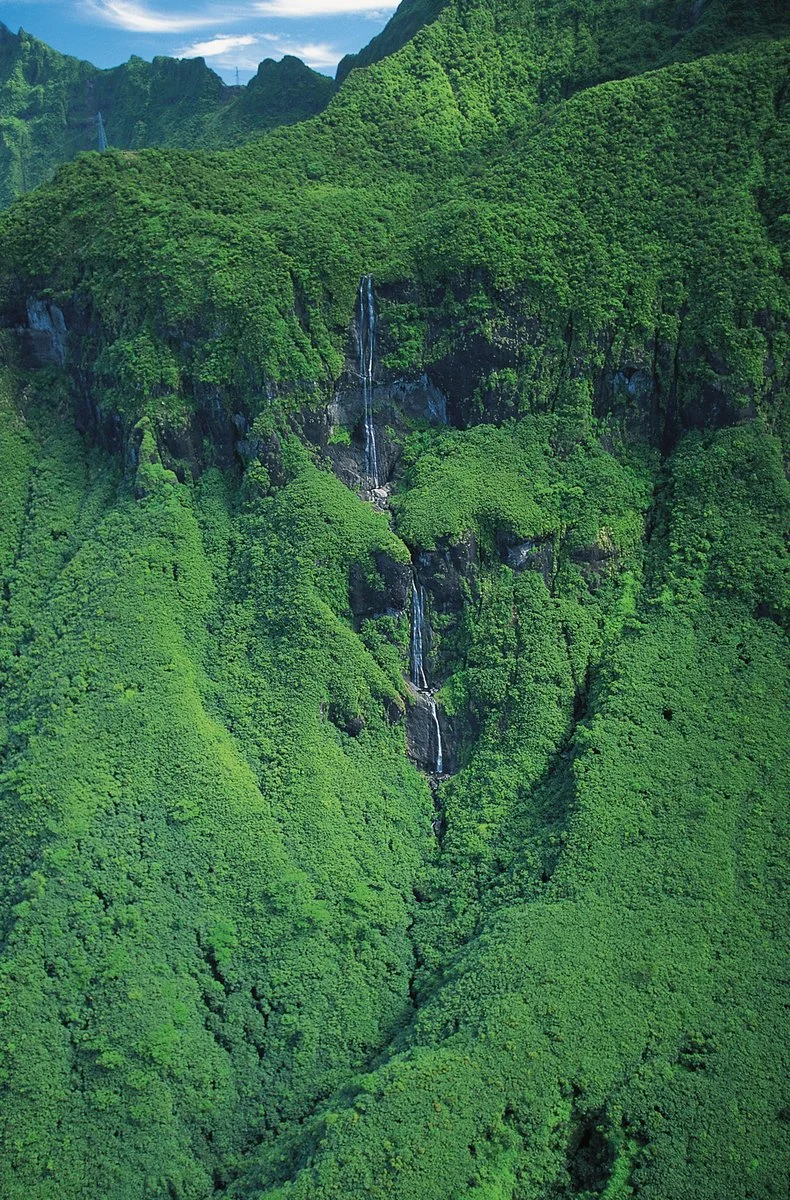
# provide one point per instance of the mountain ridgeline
(393, 760)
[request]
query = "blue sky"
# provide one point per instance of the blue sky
(227, 34)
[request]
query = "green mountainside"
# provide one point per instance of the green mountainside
(293, 907)
(49, 104)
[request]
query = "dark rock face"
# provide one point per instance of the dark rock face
(396, 405)
(422, 738)
(529, 555)
(389, 594)
(449, 573)
(593, 563)
(420, 732)
(46, 333)
(449, 576)
(414, 399)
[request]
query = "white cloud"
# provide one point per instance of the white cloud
(219, 46)
(316, 55)
(246, 50)
(324, 8)
(142, 18)
(139, 18)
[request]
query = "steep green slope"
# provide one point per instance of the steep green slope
(49, 104)
(408, 19)
(246, 949)
(206, 878)
(611, 1023)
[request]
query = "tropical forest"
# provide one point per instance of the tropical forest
(394, 583)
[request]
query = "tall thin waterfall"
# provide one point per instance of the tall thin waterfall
(418, 676)
(418, 636)
(101, 133)
(367, 339)
(439, 758)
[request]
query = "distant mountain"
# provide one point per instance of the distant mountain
(49, 104)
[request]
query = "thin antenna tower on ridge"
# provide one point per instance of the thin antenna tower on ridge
(237, 76)
(101, 132)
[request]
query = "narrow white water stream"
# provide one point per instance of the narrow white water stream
(439, 757)
(418, 676)
(367, 341)
(418, 636)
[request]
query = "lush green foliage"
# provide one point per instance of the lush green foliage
(206, 877)
(409, 18)
(236, 957)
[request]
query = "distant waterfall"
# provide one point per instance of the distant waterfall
(367, 338)
(101, 132)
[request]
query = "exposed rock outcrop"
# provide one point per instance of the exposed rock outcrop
(386, 594)
(397, 406)
(46, 333)
(530, 555)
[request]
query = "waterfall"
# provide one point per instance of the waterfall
(101, 132)
(418, 636)
(367, 337)
(418, 676)
(439, 758)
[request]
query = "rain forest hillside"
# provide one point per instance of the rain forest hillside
(393, 747)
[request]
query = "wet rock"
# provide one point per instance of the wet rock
(530, 555)
(380, 497)
(421, 733)
(396, 407)
(389, 593)
(449, 573)
(448, 576)
(396, 401)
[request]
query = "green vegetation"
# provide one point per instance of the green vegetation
(408, 19)
(245, 949)
(203, 868)
(554, 239)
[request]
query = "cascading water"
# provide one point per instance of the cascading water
(437, 726)
(418, 636)
(367, 339)
(418, 676)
